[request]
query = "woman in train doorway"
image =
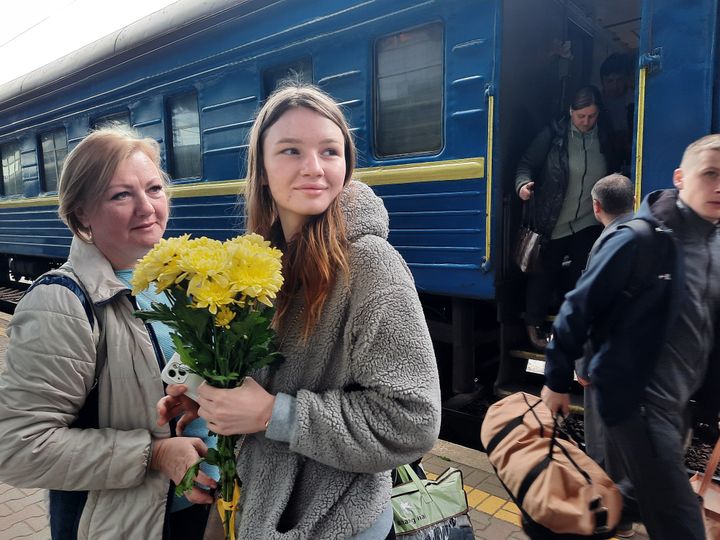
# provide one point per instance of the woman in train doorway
(358, 393)
(556, 174)
(78, 398)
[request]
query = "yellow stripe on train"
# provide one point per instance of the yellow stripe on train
(434, 171)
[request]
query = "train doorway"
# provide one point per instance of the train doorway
(549, 50)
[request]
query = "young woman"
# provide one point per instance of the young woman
(78, 397)
(358, 393)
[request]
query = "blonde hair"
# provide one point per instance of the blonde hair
(89, 168)
(708, 142)
(315, 256)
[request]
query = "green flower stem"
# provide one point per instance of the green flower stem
(228, 475)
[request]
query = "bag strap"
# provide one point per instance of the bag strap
(52, 278)
(710, 469)
(529, 214)
(65, 277)
(512, 424)
(407, 475)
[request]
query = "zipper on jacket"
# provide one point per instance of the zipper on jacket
(582, 184)
(708, 273)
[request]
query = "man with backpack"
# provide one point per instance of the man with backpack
(650, 303)
(613, 197)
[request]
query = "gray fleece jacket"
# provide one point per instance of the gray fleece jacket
(358, 398)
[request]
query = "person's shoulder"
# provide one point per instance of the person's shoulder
(373, 260)
(53, 296)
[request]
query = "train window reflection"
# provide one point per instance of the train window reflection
(184, 154)
(121, 119)
(54, 150)
(11, 169)
(409, 91)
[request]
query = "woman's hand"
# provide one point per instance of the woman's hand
(236, 411)
(526, 191)
(173, 457)
(175, 404)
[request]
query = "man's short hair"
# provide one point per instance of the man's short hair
(708, 142)
(618, 63)
(614, 193)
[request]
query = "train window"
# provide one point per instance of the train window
(53, 146)
(121, 119)
(299, 71)
(184, 154)
(11, 169)
(409, 91)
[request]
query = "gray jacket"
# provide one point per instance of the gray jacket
(363, 397)
(51, 361)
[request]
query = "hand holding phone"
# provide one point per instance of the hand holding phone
(175, 372)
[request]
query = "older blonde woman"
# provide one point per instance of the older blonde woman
(77, 401)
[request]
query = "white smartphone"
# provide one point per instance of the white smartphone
(175, 372)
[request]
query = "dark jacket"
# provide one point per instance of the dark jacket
(546, 162)
(633, 330)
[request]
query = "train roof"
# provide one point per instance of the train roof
(161, 27)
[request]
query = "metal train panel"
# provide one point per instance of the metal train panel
(676, 85)
(445, 206)
(446, 236)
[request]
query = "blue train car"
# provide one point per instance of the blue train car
(442, 95)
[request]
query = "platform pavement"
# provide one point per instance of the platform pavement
(23, 511)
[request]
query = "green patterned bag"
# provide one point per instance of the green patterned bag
(430, 508)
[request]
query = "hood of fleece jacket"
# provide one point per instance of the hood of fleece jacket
(364, 212)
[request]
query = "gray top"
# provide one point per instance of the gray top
(586, 165)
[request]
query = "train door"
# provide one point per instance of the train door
(550, 49)
(676, 73)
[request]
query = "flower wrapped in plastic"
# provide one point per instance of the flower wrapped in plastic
(220, 312)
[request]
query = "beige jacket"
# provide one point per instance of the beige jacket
(51, 360)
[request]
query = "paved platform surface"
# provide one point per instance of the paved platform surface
(23, 512)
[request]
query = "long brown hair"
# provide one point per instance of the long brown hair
(315, 256)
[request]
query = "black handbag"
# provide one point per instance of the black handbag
(528, 246)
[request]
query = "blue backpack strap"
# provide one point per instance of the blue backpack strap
(66, 507)
(74, 286)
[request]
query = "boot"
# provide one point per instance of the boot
(537, 337)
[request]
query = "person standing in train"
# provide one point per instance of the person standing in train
(358, 393)
(655, 347)
(618, 98)
(78, 397)
(557, 173)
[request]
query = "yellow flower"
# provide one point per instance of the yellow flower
(214, 274)
(211, 294)
(255, 269)
(224, 317)
(201, 260)
(160, 265)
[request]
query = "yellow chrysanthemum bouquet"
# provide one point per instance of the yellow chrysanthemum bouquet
(220, 313)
